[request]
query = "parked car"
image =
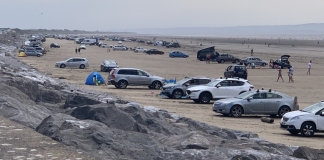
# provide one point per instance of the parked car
(54, 45)
(75, 62)
(149, 42)
(123, 77)
(140, 49)
(222, 58)
(256, 102)
(33, 53)
(104, 46)
(40, 49)
(118, 47)
(236, 71)
(178, 54)
(82, 46)
(173, 45)
(218, 89)
(201, 54)
(154, 51)
(178, 90)
(108, 65)
(257, 61)
(283, 62)
(306, 121)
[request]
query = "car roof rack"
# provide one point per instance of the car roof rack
(261, 88)
(269, 90)
(258, 90)
(221, 77)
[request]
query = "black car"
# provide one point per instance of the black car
(108, 65)
(283, 62)
(173, 44)
(154, 51)
(54, 45)
(201, 54)
(236, 71)
(222, 58)
(149, 42)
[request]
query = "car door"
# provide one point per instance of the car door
(132, 77)
(256, 104)
(143, 78)
(228, 71)
(272, 103)
(258, 61)
(320, 121)
(234, 88)
(69, 63)
(220, 90)
(76, 62)
(230, 58)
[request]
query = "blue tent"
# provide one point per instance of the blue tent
(90, 79)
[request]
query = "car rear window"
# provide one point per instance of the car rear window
(240, 68)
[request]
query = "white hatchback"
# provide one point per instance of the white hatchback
(218, 89)
(306, 121)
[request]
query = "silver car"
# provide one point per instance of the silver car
(178, 90)
(33, 53)
(123, 77)
(257, 61)
(75, 62)
(256, 102)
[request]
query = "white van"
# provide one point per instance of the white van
(88, 41)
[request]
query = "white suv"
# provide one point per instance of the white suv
(306, 121)
(218, 89)
(139, 49)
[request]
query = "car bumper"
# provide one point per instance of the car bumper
(220, 109)
(165, 93)
(286, 125)
(112, 82)
(193, 95)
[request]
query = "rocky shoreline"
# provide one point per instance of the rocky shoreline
(103, 127)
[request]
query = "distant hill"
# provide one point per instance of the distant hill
(312, 29)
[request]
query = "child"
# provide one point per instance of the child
(290, 74)
(279, 74)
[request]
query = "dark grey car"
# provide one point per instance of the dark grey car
(257, 61)
(222, 58)
(178, 90)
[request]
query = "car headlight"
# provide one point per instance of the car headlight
(295, 118)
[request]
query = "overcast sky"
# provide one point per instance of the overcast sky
(135, 14)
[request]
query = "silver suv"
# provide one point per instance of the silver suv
(122, 77)
(73, 63)
(257, 61)
(178, 90)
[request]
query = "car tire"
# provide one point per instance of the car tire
(205, 98)
(62, 66)
(237, 61)
(172, 56)
(156, 85)
(293, 132)
(122, 84)
(283, 110)
(177, 94)
(236, 111)
(184, 56)
(117, 86)
(196, 100)
(263, 64)
(82, 66)
(136, 51)
(307, 129)
(222, 61)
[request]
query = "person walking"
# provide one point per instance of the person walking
(290, 74)
(108, 49)
(309, 66)
(252, 52)
(208, 58)
(76, 51)
(79, 50)
(279, 74)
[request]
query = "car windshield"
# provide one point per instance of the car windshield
(314, 108)
(245, 95)
(183, 81)
(213, 83)
(110, 62)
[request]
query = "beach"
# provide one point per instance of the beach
(306, 87)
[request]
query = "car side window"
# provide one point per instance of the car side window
(223, 83)
(122, 71)
(273, 96)
(132, 72)
(203, 81)
(236, 83)
(70, 60)
(76, 60)
(141, 73)
(258, 96)
(193, 82)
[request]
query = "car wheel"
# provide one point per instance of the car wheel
(222, 61)
(117, 86)
(205, 98)
(293, 132)
(156, 85)
(196, 100)
(122, 84)
(58, 47)
(82, 66)
(283, 110)
(177, 94)
(62, 66)
(136, 51)
(172, 56)
(307, 129)
(38, 55)
(236, 111)
(263, 64)
(237, 61)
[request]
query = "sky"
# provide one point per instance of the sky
(120, 15)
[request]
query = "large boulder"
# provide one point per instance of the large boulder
(77, 100)
(309, 153)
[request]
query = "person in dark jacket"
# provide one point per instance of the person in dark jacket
(76, 51)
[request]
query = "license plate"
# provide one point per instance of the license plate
(240, 72)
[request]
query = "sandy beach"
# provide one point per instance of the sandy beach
(308, 88)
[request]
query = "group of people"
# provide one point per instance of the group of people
(77, 50)
(291, 72)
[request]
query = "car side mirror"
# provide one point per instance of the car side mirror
(249, 98)
(322, 114)
(217, 86)
(147, 75)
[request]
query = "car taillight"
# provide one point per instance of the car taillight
(251, 87)
(112, 73)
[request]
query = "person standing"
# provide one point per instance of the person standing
(309, 67)
(279, 74)
(79, 50)
(252, 52)
(290, 74)
(76, 51)
(208, 58)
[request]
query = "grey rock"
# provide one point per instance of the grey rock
(78, 100)
(309, 153)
